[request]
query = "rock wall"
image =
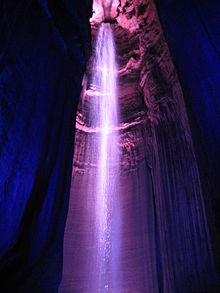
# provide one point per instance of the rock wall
(43, 52)
(165, 237)
(194, 42)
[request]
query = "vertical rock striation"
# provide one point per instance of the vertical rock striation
(194, 42)
(165, 238)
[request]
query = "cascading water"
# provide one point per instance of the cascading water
(148, 232)
(106, 190)
(93, 229)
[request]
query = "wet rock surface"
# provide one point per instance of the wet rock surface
(165, 239)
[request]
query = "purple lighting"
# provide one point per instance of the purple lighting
(136, 221)
(94, 227)
(106, 189)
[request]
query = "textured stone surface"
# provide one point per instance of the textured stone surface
(43, 52)
(194, 42)
(165, 239)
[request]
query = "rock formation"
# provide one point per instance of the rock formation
(43, 52)
(44, 49)
(165, 237)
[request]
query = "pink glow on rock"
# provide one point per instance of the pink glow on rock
(124, 19)
(106, 184)
(104, 9)
(160, 206)
(96, 231)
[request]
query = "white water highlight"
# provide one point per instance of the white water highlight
(107, 203)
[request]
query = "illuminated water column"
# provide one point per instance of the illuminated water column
(107, 190)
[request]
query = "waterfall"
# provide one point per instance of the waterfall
(93, 230)
(148, 231)
(106, 190)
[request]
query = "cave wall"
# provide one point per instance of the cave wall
(192, 31)
(194, 41)
(43, 52)
(165, 235)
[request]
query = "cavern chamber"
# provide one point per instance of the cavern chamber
(161, 235)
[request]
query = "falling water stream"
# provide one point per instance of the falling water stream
(106, 190)
(93, 230)
(142, 233)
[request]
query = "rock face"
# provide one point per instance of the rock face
(43, 53)
(165, 244)
(197, 57)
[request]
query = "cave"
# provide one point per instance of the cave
(109, 146)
